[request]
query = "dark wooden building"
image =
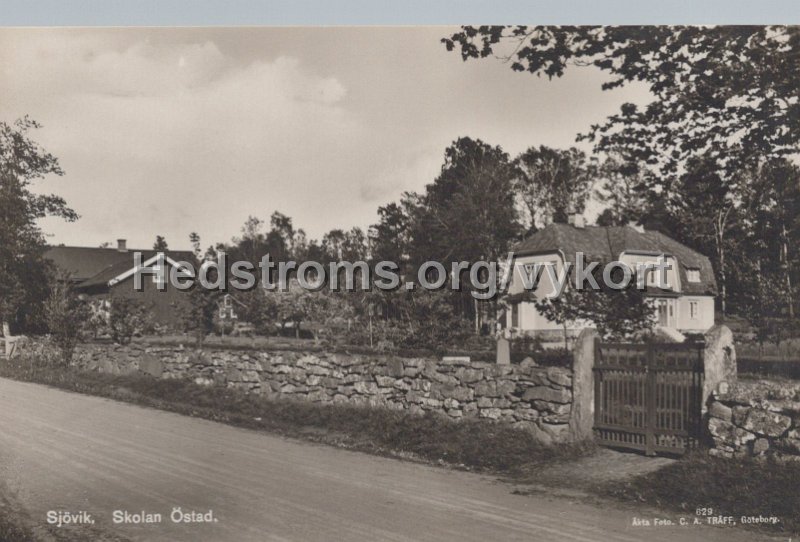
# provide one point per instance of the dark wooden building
(103, 273)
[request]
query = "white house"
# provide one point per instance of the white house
(683, 297)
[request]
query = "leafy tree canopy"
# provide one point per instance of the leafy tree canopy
(160, 244)
(22, 163)
(553, 183)
(468, 212)
(730, 91)
(617, 314)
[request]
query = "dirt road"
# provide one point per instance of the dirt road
(67, 452)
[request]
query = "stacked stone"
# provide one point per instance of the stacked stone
(538, 399)
(756, 418)
(535, 398)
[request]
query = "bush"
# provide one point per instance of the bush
(41, 353)
(480, 343)
(257, 308)
(557, 357)
(763, 368)
(127, 318)
(384, 336)
(67, 316)
(429, 320)
(525, 345)
(224, 327)
(774, 330)
(618, 314)
(97, 324)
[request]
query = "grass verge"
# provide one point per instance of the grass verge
(732, 487)
(17, 525)
(471, 444)
(12, 529)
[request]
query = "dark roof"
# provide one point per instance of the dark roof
(600, 243)
(90, 266)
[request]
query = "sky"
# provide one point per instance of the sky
(168, 131)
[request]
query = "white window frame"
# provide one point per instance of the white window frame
(657, 278)
(529, 268)
(515, 311)
(154, 276)
(693, 274)
(694, 309)
(532, 267)
(226, 308)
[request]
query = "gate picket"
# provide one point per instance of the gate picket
(647, 397)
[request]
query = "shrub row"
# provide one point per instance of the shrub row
(544, 358)
(762, 368)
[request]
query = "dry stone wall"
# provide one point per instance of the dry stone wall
(538, 399)
(756, 418)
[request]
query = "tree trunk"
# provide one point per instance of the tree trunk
(720, 242)
(7, 338)
(787, 270)
(723, 290)
(477, 318)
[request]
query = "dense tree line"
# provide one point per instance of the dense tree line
(710, 161)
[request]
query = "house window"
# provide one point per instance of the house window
(226, 308)
(693, 275)
(529, 269)
(657, 277)
(662, 312)
(694, 310)
(156, 274)
(515, 315)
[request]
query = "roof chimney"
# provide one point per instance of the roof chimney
(122, 245)
(576, 219)
(635, 226)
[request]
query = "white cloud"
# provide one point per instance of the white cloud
(150, 132)
(169, 131)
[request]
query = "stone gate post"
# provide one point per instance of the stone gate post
(503, 351)
(719, 358)
(582, 417)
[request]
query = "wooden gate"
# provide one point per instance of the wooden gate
(648, 397)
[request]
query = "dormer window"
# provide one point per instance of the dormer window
(693, 274)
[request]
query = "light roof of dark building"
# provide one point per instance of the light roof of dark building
(94, 265)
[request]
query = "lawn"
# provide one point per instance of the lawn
(737, 488)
